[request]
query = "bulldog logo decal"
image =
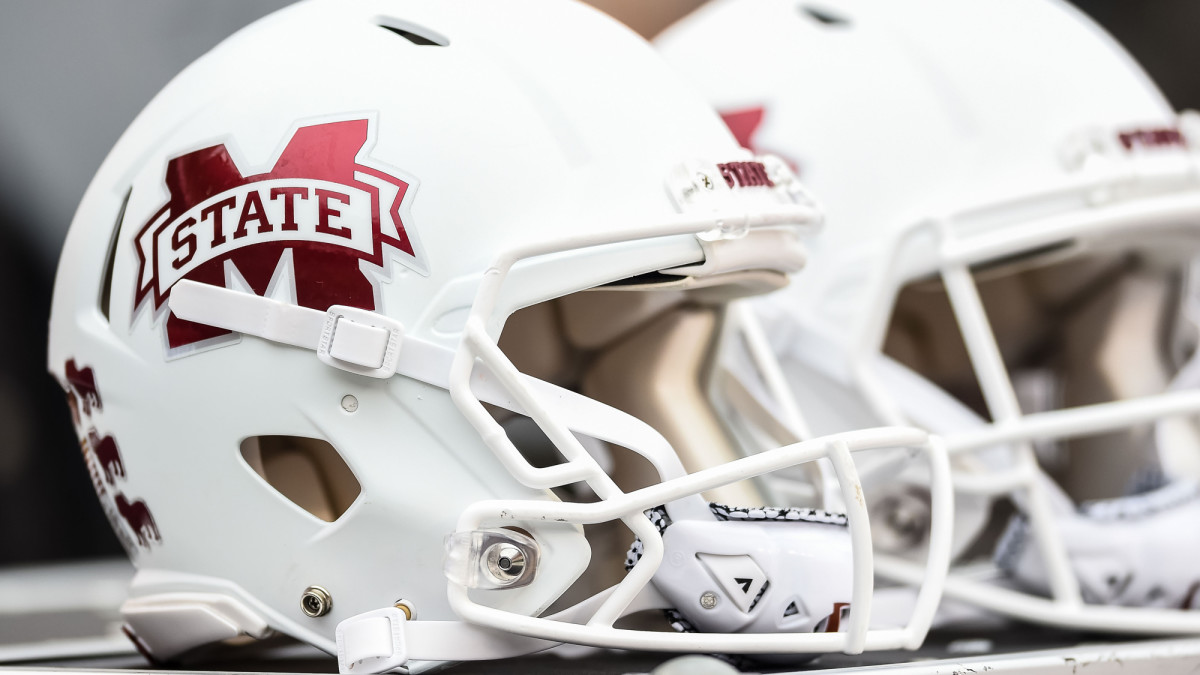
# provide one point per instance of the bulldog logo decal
(81, 391)
(318, 228)
(104, 463)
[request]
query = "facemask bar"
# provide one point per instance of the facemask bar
(1173, 197)
(598, 630)
(763, 358)
(479, 345)
(785, 424)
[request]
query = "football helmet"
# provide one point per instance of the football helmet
(378, 304)
(1012, 212)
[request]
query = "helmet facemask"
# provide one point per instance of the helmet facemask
(648, 345)
(644, 350)
(1057, 375)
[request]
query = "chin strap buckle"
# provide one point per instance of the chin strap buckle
(359, 341)
(348, 338)
(372, 642)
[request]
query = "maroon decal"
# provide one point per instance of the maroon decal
(140, 646)
(75, 417)
(833, 622)
(1190, 597)
(1156, 137)
(105, 464)
(321, 203)
(82, 383)
(139, 519)
(106, 453)
(743, 124)
(745, 174)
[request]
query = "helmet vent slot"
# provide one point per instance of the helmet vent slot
(824, 16)
(308, 472)
(111, 258)
(418, 35)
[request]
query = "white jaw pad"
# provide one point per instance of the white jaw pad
(1133, 551)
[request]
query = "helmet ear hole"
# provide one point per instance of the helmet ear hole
(308, 472)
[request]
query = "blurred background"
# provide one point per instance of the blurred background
(74, 74)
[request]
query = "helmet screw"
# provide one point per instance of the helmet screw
(405, 606)
(708, 600)
(316, 601)
(704, 180)
(505, 562)
(349, 403)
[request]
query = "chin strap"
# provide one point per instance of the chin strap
(385, 639)
(348, 338)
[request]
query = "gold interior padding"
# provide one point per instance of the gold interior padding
(309, 472)
(646, 18)
(1026, 307)
(524, 343)
(646, 352)
(1117, 355)
(655, 375)
(1088, 329)
(593, 320)
(924, 336)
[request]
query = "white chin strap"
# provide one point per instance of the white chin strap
(378, 641)
(349, 338)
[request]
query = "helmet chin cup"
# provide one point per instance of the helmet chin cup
(717, 574)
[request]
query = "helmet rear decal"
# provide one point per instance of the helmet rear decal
(81, 389)
(107, 456)
(105, 464)
(321, 210)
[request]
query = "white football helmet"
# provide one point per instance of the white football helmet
(321, 321)
(1012, 212)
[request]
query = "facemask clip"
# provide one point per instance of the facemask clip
(490, 559)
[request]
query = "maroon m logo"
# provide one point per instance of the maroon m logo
(308, 223)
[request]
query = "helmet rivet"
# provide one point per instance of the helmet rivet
(505, 562)
(704, 181)
(405, 606)
(349, 403)
(316, 601)
(708, 600)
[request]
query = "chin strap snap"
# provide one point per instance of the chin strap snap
(372, 642)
